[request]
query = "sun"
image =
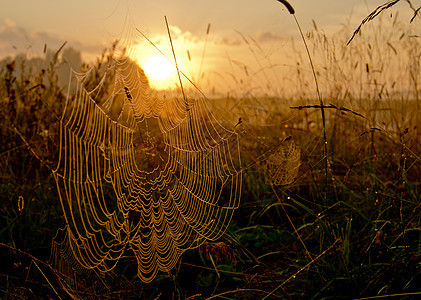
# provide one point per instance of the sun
(160, 72)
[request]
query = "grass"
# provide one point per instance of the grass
(357, 238)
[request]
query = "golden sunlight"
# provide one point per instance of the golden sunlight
(160, 72)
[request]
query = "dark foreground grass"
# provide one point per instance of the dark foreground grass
(355, 236)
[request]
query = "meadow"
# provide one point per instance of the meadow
(330, 204)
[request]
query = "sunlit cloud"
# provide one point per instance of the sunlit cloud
(189, 52)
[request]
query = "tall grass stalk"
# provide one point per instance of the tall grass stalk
(326, 163)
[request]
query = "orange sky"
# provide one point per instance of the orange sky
(89, 26)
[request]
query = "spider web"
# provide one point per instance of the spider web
(283, 165)
(141, 172)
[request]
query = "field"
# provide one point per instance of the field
(330, 204)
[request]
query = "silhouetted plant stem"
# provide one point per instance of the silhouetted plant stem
(176, 64)
(292, 12)
(186, 103)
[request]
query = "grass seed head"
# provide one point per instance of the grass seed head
(288, 6)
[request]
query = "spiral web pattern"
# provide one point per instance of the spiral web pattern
(141, 172)
(283, 165)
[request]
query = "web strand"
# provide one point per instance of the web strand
(142, 172)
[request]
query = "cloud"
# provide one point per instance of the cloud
(229, 40)
(11, 35)
(260, 37)
(15, 40)
(9, 25)
(266, 36)
(186, 36)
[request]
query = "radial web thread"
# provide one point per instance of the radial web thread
(141, 172)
